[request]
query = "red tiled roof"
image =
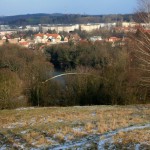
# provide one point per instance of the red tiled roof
(39, 34)
(23, 43)
(147, 31)
(53, 35)
(114, 39)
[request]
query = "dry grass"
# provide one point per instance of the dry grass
(35, 125)
(136, 136)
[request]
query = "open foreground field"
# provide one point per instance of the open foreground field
(88, 127)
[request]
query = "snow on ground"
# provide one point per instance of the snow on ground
(72, 128)
(101, 140)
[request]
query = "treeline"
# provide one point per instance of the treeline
(105, 75)
(34, 19)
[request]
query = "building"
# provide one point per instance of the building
(96, 38)
(114, 39)
(44, 38)
(129, 24)
(32, 28)
(89, 27)
(60, 28)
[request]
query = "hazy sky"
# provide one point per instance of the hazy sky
(15, 7)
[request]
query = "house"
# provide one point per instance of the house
(96, 38)
(38, 38)
(4, 38)
(114, 39)
(44, 38)
(14, 41)
(66, 39)
(74, 37)
(54, 37)
(24, 44)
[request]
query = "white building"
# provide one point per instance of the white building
(96, 38)
(32, 28)
(129, 24)
(60, 28)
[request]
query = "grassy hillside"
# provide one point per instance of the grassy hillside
(38, 127)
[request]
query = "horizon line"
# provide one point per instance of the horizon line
(82, 14)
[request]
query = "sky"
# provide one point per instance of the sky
(97, 7)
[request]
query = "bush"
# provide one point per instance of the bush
(11, 87)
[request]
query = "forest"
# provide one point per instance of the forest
(104, 74)
(34, 19)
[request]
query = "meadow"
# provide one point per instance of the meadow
(51, 126)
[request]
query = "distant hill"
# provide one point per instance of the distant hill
(57, 18)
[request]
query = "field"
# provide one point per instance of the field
(52, 126)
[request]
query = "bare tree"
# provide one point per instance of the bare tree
(144, 10)
(142, 41)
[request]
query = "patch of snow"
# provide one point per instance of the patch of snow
(60, 120)
(4, 147)
(137, 147)
(101, 144)
(107, 139)
(16, 145)
(25, 108)
(93, 114)
(108, 136)
(25, 131)
(49, 139)
(14, 125)
(79, 129)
